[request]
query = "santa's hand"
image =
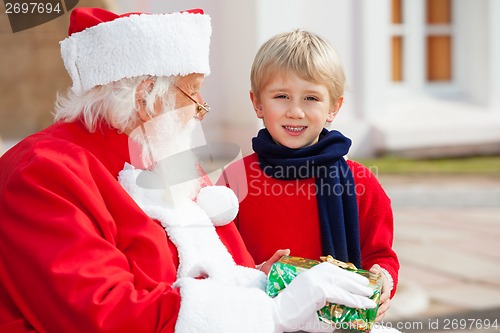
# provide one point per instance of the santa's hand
(266, 265)
(295, 307)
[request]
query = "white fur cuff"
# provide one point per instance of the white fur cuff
(208, 306)
(389, 278)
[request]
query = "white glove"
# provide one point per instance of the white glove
(295, 307)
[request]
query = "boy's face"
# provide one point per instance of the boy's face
(294, 111)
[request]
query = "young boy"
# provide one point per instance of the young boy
(299, 192)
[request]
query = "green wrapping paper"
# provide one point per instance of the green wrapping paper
(288, 267)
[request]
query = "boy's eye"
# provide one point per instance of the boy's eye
(281, 96)
(311, 98)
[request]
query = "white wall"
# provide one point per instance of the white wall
(473, 59)
(494, 51)
(372, 57)
(233, 45)
(359, 31)
(239, 28)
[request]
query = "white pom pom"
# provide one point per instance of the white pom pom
(219, 202)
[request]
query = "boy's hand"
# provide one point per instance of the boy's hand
(266, 265)
(385, 300)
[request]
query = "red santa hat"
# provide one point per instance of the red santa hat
(103, 47)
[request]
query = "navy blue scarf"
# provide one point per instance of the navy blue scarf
(335, 188)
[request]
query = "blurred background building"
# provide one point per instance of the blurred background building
(423, 75)
(31, 74)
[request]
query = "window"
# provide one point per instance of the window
(397, 58)
(439, 40)
(397, 41)
(436, 24)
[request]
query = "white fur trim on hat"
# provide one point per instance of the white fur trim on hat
(145, 44)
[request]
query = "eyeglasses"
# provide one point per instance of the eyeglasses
(201, 109)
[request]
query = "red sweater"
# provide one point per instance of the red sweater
(76, 252)
(283, 214)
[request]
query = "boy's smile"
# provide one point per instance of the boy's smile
(295, 130)
(294, 110)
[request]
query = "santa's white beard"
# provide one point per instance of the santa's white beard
(167, 151)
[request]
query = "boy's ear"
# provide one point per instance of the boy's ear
(257, 106)
(335, 109)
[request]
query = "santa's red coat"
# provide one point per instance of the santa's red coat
(76, 252)
(283, 214)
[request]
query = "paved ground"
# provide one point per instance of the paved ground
(448, 240)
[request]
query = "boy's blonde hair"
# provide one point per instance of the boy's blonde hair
(301, 53)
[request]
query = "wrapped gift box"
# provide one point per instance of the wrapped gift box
(340, 316)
